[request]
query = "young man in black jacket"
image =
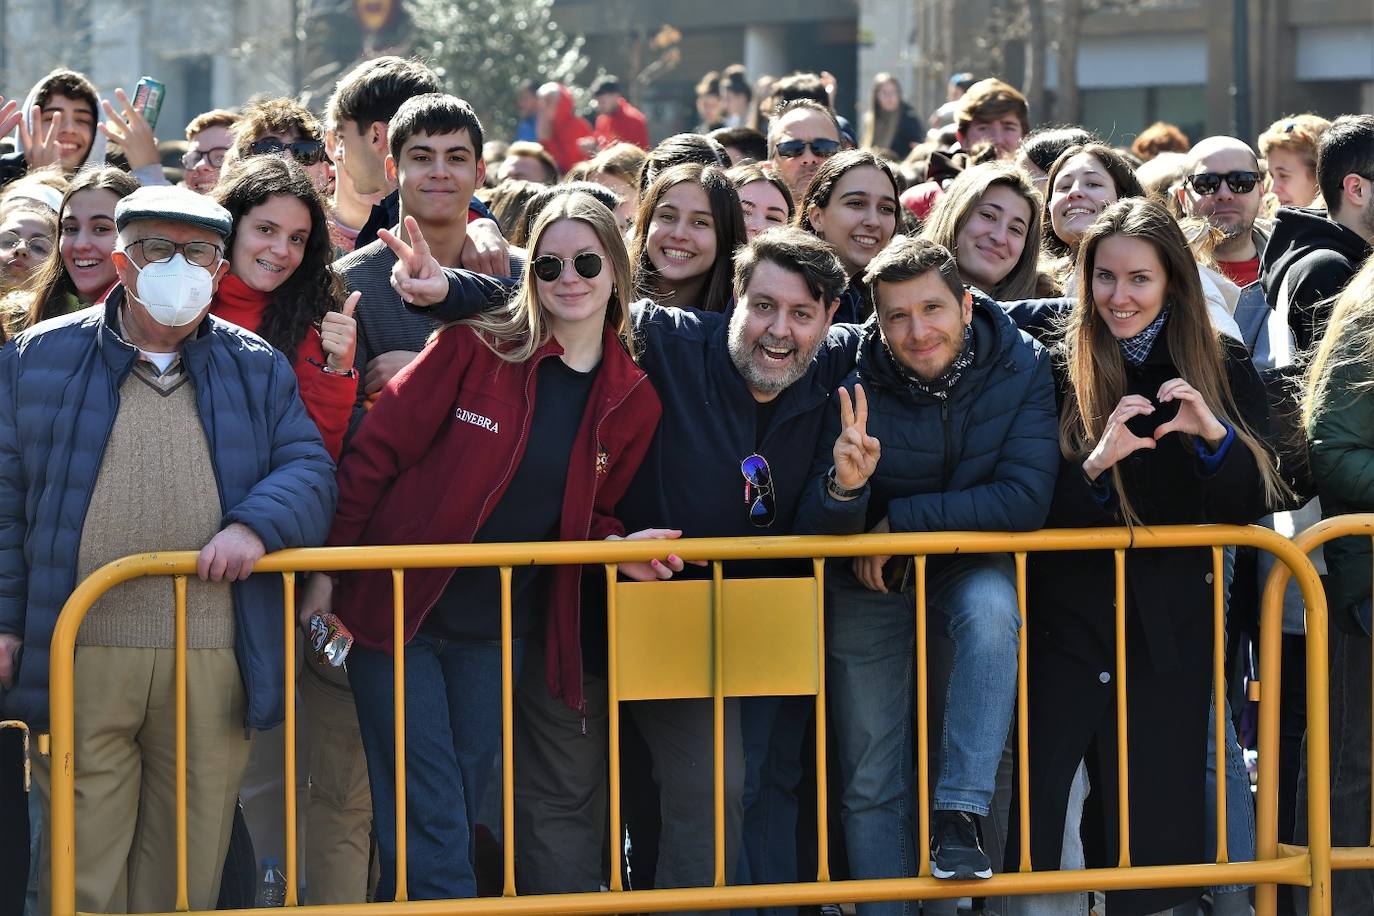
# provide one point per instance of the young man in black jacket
(1311, 255)
(960, 405)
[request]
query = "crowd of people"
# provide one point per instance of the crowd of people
(376, 325)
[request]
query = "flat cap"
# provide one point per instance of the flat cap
(173, 204)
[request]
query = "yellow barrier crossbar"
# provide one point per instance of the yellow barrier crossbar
(1304, 866)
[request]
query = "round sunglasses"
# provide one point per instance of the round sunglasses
(549, 268)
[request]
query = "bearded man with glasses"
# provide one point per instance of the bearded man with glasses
(1223, 185)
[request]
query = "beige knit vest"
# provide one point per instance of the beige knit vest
(155, 491)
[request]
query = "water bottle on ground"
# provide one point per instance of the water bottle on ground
(272, 887)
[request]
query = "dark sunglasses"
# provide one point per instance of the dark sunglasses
(548, 267)
(758, 490)
(306, 152)
(822, 148)
(1208, 183)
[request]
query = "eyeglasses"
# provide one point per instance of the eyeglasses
(156, 251)
(306, 152)
(1208, 183)
(215, 156)
(758, 490)
(38, 246)
(821, 149)
(549, 267)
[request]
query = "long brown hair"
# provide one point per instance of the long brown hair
(1092, 359)
(955, 209)
(518, 330)
(52, 284)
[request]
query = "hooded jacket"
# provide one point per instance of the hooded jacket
(59, 395)
(14, 165)
(567, 128)
(1309, 258)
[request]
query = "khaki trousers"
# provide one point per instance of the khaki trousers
(333, 801)
(125, 760)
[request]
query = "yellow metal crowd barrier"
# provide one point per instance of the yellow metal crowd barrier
(1337, 859)
(726, 637)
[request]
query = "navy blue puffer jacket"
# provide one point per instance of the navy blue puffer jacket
(985, 459)
(59, 394)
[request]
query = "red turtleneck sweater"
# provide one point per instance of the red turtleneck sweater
(328, 398)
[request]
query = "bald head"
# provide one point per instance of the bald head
(1223, 185)
(1229, 146)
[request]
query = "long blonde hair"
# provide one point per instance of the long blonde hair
(1096, 370)
(517, 330)
(1348, 341)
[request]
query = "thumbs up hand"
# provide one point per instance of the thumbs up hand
(339, 335)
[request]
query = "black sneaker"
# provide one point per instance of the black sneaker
(955, 851)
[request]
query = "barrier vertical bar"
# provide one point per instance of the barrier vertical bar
(1219, 696)
(1318, 750)
(507, 740)
(398, 687)
(922, 724)
(1270, 691)
(1023, 713)
(289, 776)
(179, 588)
(1122, 778)
(822, 809)
(718, 712)
(613, 726)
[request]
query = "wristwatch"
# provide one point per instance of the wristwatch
(838, 491)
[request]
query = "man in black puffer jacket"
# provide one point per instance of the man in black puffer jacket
(963, 405)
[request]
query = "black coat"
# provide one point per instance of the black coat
(1169, 608)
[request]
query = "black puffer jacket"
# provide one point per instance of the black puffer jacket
(983, 460)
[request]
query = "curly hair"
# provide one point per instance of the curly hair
(273, 116)
(313, 289)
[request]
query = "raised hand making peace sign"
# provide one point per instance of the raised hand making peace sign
(856, 453)
(417, 276)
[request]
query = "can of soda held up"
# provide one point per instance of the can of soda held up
(148, 96)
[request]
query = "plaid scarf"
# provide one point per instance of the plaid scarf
(1135, 349)
(939, 386)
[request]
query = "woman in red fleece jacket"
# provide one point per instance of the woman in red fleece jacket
(522, 424)
(280, 285)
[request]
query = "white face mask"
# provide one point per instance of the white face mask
(174, 292)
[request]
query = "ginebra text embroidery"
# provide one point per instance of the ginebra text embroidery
(476, 419)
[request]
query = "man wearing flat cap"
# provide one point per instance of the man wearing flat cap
(141, 424)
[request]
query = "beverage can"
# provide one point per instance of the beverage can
(330, 639)
(148, 96)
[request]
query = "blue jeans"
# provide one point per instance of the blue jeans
(870, 640)
(773, 729)
(1240, 803)
(453, 733)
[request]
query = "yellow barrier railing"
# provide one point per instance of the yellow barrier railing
(1309, 866)
(1341, 858)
